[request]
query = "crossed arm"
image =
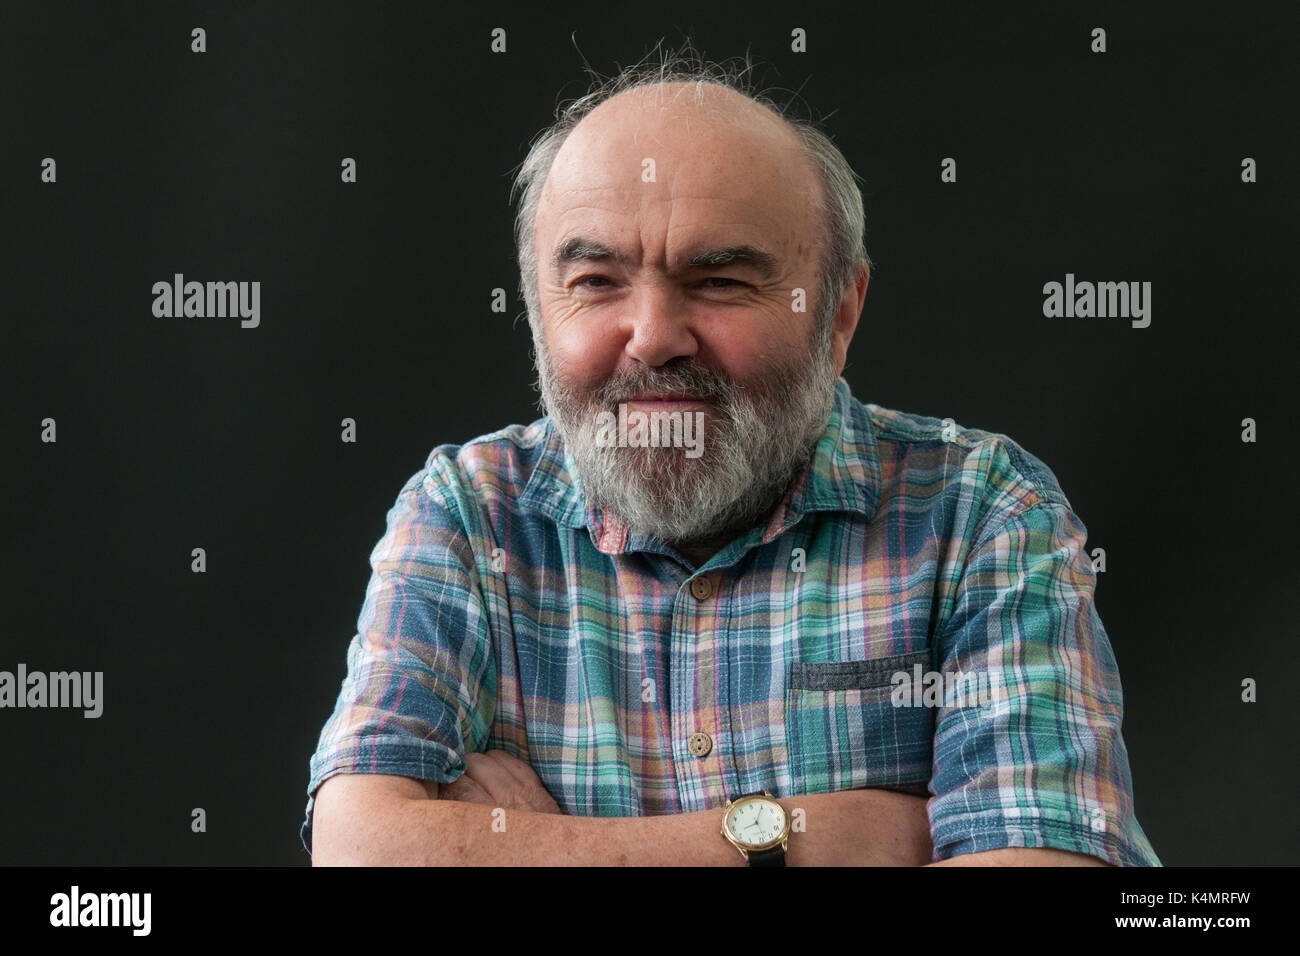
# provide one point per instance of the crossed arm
(499, 814)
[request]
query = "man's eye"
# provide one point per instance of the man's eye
(585, 279)
(733, 282)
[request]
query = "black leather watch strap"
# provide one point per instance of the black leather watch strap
(773, 856)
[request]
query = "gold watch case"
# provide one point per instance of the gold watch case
(743, 845)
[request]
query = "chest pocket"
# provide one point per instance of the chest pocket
(843, 731)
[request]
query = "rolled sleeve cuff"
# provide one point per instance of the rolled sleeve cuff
(1036, 828)
(395, 754)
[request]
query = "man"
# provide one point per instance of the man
(578, 645)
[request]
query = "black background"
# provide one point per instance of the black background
(183, 433)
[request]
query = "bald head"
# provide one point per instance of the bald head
(703, 116)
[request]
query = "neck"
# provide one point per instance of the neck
(698, 554)
(699, 550)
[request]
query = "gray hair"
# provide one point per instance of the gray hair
(840, 204)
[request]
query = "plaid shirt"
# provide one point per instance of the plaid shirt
(503, 613)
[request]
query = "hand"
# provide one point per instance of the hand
(497, 779)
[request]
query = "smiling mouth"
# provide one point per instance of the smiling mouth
(662, 397)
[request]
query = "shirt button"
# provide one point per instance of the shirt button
(700, 744)
(702, 589)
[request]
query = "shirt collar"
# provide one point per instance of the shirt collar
(843, 474)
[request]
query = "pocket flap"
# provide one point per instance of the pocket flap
(854, 675)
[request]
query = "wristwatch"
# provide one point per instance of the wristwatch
(758, 826)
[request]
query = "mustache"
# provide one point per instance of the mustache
(684, 380)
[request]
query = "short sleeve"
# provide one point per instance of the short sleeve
(1043, 763)
(420, 687)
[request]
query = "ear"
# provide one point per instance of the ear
(846, 319)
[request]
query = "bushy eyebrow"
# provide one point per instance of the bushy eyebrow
(764, 263)
(579, 249)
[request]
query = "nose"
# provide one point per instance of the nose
(659, 328)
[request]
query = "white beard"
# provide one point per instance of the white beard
(757, 439)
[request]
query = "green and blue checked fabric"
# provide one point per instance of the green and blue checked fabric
(503, 613)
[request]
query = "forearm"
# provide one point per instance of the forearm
(851, 827)
(1022, 856)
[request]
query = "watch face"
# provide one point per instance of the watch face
(756, 822)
